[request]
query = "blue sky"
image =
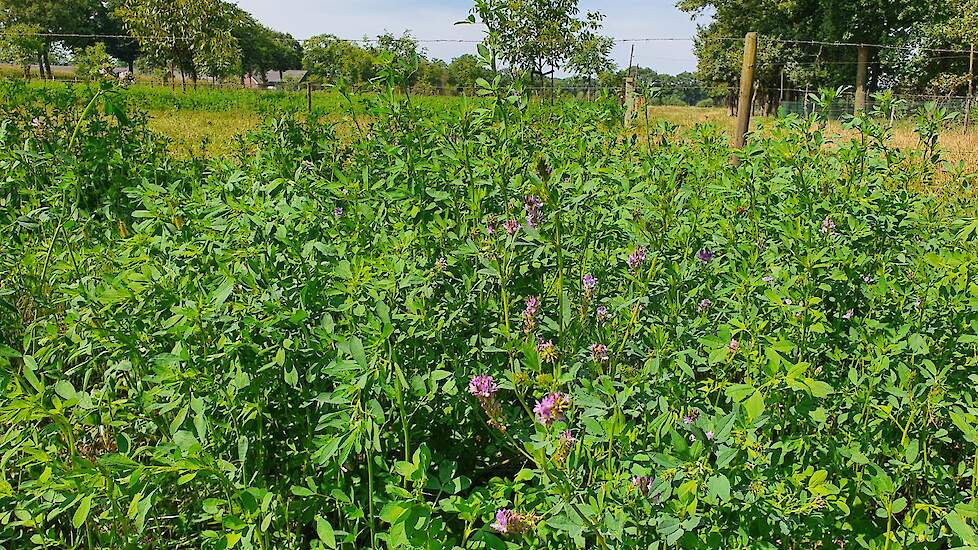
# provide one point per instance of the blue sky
(436, 18)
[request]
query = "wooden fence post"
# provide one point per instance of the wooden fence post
(863, 61)
(971, 89)
(629, 100)
(744, 103)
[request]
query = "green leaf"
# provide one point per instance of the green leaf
(754, 405)
(356, 350)
(30, 368)
(719, 486)
(65, 389)
(325, 532)
(81, 513)
(739, 392)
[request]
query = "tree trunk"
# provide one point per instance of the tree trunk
(47, 63)
(132, 68)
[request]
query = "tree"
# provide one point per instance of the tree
(195, 36)
(591, 54)
(532, 34)
(21, 44)
(785, 26)
(330, 59)
(51, 17)
(464, 70)
(94, 63)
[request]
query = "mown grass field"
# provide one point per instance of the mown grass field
(435, 324)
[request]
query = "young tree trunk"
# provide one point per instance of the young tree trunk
(47, 63)
(132, 68)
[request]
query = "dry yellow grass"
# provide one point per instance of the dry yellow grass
(198, 133)
(202, 133)
(957, 145)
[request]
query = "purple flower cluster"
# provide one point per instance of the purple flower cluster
(441, 264)
(644, 484)
(848, 315)
(552, 408)
(734, 345)
(768, 279)
(828, 226)
(636, 259)
(338, 212)
(530, 314)
(509, 522)
(511, 227)
(599, 353)
(534, 210)
(691, 417)
(706, 255)
(704, 305)
(709, 435)
(602, 314)
(547, 351)
(590, 283)
(484, 388)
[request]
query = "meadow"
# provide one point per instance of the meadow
(406, 322)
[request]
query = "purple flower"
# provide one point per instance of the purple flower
(636, 259)
(441, 264)
(709, 436)
(511, 227)
(568, 437)
(705, 304)
(490, 229)
(599, 352)
(534, 214)
(643, 483)
(706, 255)
(768, 279)
(602, 314)
(530, 314)
(338, 212)
(589, 282)
(547, 351)
(848, 315)
(868, 280)
(734, 345)
(509, 522)
(36, 123)
(551, 408)
(828, 226)
(483, 386)
(691, 417)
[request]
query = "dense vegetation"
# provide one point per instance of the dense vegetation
(495, 327)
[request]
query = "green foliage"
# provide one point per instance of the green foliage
(195, 36)
(530, 35)
(21, 45)
(94, 63)
(275, 349)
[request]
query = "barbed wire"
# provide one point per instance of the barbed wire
(473, 41)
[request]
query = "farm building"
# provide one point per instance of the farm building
(276, 79)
